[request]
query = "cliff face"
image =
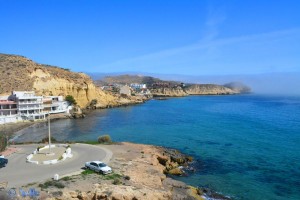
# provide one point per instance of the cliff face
(20, 73)
(168, 92)
(208, 89)
(195, 89)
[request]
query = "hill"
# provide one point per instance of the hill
(127, 79)
(22, 74)
(163, 88)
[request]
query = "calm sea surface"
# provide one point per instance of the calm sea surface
(247, 146)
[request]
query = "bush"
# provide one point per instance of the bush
(71, 99)
(93, 102)
(46, 139)
(117, 181)
(104, 139)
(51, 184)
(3, 142)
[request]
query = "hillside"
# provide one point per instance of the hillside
(21, 73)
(173, 88)
(208, 89)
(127, 79)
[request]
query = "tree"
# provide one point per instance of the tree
(71, 99)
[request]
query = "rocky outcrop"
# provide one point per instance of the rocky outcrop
(208, 89)
(138, 173)
(238, 87)
(168, 92)
(194, 89)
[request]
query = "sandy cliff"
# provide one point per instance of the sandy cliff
(168, 92)
(20, 73)
(208, 89)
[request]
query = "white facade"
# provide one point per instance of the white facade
(24, 105)
(55, 104)
(30, 107)
(125, 90)
(138, 86)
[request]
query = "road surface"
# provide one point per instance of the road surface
(19, 173)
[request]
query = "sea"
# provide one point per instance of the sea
(245, 146)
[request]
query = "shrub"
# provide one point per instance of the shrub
(46, 139)
(94, 102)
(3, 142)
(104, 139)
(71, 99)
(51, 184)
(117, 181)
(127, 178)
(87, 172)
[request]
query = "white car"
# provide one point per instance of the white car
(98, 166)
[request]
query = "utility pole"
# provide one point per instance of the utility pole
(49, 133)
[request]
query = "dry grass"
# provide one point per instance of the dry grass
(15, 73)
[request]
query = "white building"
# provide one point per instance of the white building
(55, 104)
(125, 90)
(29, 106)
(25, 105)
(138, 86)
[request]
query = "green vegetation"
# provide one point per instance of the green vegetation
(94, 102)
(3, 142)
(104, 139)
(67, 178)
(71, 100)
(46, 139)
(117, 181)
(87, 171)
(127, 178)
(112, 176)
(51, 184)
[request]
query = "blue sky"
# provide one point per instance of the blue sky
(190, 37)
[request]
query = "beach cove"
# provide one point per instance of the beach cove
(237, 140)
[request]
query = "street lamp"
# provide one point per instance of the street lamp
(49, 133)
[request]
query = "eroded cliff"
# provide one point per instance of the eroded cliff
(208, 89)
(20, 73)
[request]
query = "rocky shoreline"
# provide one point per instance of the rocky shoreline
(139, 172)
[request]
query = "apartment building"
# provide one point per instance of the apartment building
(25, 105)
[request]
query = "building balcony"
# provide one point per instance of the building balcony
(30, 97)
(31, 108)
(30, 102)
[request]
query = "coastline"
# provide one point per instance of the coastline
(188, 189)
(138, 173)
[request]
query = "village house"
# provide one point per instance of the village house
(125, 90)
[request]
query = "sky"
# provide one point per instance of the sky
(187, 37)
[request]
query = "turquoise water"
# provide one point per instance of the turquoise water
(246, 146)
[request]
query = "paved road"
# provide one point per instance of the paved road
(19, 173)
